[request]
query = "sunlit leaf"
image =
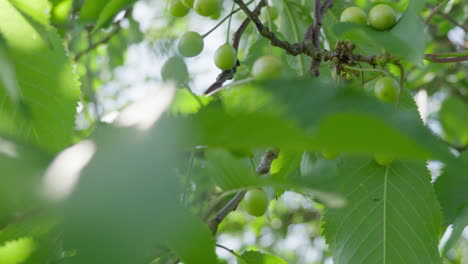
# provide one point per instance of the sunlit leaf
(257, 257)
(49, 87)
(392, 215)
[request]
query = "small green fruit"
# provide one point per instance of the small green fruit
(383, 160)
(382, 17)
(206, 7)
(174, 69)
(330, 154)
(386, 89)
(354, 14)
(267, 67)
(256, 202)
(188, 3)
(178, 9)
(190, 44)
(225, 57)
(216, 15)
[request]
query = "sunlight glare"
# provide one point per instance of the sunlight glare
(64, 172)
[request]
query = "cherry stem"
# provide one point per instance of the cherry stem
(232, 252)
(229, 23)
(224, 19)
(402, 81)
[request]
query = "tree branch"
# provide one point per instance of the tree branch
(319, 12)
(115, 30)
(263, 168)
(229, 74)
(437, 59)
(310, 46)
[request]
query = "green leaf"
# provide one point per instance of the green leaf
(17, 251)
(457, 230)
(186, 102)
(228, 172)
(215, 127)
(128, 195)
(48, 84)
(91, 10)
(41, 245)
(34, 226)
(257, 257)
(285, 165)
(451, 187)
(231, 173)
(293, 30)
(61, 12)
(38, 10)
(453, 121)
(323, 111)
(110, 11)
(8, 80)
(392, 215)
(22, 168)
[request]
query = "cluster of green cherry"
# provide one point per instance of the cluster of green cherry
(191, 44)
(381, 17)
(207, 8)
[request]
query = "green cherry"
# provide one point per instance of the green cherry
(178, 9)
(354, 14)
(383, 160)
(267, 67)
(216, 15)
(225, 57)
(190, 44)
(382, 17)
(206, 7)
(256, 202)
(174, 69)
(386, 89)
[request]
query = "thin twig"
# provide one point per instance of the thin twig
(232, 252)
(435, 11)
(263, 168)
(115, 30)
(104, 40)
(319, 12)
(90, 77)
(229, 207)
(224, 19)
(435, 59)
(214, 203)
